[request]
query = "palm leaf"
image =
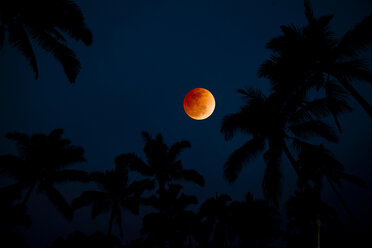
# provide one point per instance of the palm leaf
(176, 148)
(191, 176)
(69, 175)
(87, 198)
(100, 207)
(58, 201)
(18, 38)
(314, 128)
(61, 52)
(357, 39)
(241, 156)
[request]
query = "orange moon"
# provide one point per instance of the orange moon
(199, 103)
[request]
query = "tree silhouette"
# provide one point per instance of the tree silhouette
(308, 216)
(116, 193)
(312, 58)
(272, 124)
(44, 22)
(41, 163)
(12, 215)
(317, 164)
(162, 162)
(78, 239)
(253, 223)
(171, 226)
(214, 215)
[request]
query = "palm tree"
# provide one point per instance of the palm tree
(271, 123)
(171, 225)
(253, 223)
(318, 164)
(41, 163)
(46, 23)
(162, 162)
(311, 58)
(116, 193)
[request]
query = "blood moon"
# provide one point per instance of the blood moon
(199, 103)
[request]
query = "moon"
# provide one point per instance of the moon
(199, 103)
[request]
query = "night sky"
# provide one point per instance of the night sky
(146, 55)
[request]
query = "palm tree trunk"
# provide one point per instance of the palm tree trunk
(28, 194)
(294, 165)
(367, 107)
(343, 202)
(110, 222)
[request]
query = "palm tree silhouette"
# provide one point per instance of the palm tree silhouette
(41, 162)
(44, 22)
(307, 216)
(172, 225)
(272, 124)
(253, 223)
(214, 227)
(116, 193)
(317, 164)
(162, 162)
(12, 215)
(312, 58)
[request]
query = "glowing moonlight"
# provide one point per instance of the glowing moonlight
(199, 103)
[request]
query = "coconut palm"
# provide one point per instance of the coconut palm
(271, 123)
(116, 193)
(41, 163)
(253, 223)
(311, 58)
(46, 23)
(214, 227)
(162, 162)
(308, 216)
(318, 164)
(171, 225)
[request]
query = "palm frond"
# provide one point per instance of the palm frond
(67, 57)
(176, 148)
(353, 179)
(69, 18)
(100, 207)
(87, 198)
(136, 164)
(10, 164)
(314, 128)
(58, 201)
(353, 70)
(357, 39)
(241, 156)
(191, 176)
(18, 38)
(69, 176)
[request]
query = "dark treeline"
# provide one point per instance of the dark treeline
(289, 122)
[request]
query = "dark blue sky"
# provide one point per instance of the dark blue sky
(145, 57)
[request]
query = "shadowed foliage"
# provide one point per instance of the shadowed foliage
(45, 23)
(12, 215)
(171, 225)
(253, 223)
(42, 163)
(116, 193)
(79, 239)
(162, 162)
(311, 57)
(271, 123)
